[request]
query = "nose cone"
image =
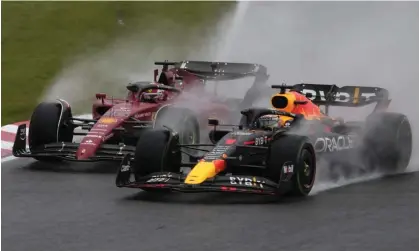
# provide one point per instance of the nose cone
(88, 147)
(95, 137)
(83, 153)
(203, 171)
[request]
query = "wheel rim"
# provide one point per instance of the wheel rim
(188, 135)
(307, 173)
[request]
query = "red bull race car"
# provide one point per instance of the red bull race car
(117, 124)
(275, 151)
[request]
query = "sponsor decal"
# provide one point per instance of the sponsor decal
(88, 142)
(142, 115)
(22, 134)
(244, 181)
(288, 167)
(240, 133)
(334, 144)
(125, 168)
(217, 152)
(340, 96)
(107, 120)
(159, 178)
(100, 126)
(125, 109)
(105, 138)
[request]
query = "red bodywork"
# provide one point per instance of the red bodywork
(112, 113)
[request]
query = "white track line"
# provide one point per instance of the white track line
(12, 129)
(9, 128)
(6, 145)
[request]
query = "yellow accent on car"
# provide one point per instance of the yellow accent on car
(107, 120)
(289, 102)
(356, 95)
(202, 171)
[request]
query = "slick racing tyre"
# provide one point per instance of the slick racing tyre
(49, 124)
(292, 159)
(156, 151)
(181, 121)
(387, 142)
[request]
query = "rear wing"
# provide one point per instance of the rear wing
(345, 96)
(218, 70)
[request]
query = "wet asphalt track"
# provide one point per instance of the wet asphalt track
(47, 208)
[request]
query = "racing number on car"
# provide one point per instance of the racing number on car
(261, 140)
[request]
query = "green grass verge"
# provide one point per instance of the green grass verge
(39, 38)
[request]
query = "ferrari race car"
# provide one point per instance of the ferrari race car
(275, 151)
(176, 99)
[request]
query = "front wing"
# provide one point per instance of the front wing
(175, 182)
(67, 150)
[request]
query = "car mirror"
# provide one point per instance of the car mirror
(100, 95)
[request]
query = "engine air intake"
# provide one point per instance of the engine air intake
(279, 102)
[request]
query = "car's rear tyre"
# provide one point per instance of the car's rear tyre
(49, 124)
(156, 151)
(182, 121)
(297, 152)
(387, 142)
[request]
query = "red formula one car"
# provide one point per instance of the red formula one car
(176, 99)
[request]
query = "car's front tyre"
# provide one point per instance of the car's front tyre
(292, 159)
(156, 151)
(49, 123)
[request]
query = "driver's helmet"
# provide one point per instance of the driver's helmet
(269, 121)
(170, 78)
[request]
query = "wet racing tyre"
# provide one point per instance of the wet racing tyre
(387, 142)
(156, 151)
(292, 159)
(49, 124)
(182, 121)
